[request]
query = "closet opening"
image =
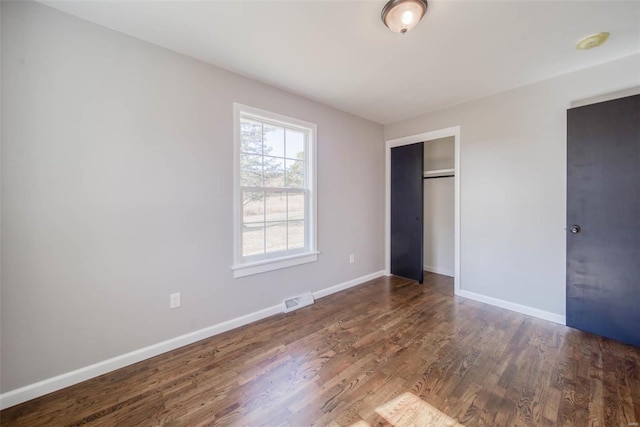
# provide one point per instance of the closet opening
(440, 194)
(439, 205)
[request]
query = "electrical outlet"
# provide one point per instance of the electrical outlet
(174, 300)
(352, 259)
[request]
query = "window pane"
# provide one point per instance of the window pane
(252, 207)
(295, 206)
(252, 239)
(251, 170)
(295, 173)
(273, 172)
(276, 236)
(250, 136)
(296, 234)
(273, 141)
(295, 144)
(276, 207)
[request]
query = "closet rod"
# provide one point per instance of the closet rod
(440, 176)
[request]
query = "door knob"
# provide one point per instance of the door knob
(575, 229)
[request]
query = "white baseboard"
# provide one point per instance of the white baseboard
(346, 285)
(31, 391)
(518, 308)
(438, 270)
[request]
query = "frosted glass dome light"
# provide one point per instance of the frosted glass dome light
(401, 16)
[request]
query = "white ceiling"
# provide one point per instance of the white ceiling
(339, 52)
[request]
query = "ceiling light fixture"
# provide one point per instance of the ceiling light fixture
(401, 16)
(592, 41)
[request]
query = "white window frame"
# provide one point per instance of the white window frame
(267, 262)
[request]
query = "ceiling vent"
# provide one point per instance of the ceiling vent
(592, 41)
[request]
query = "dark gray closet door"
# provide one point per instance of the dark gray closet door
(603, 219)
(407, 210)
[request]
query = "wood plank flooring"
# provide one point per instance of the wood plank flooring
(334, 362)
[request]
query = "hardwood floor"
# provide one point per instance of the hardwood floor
(337, 360)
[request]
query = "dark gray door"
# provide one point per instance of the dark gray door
(603, 219)
(407, 210)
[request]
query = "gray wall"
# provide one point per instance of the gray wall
(439, 215)
(117, 179)
(513, 178)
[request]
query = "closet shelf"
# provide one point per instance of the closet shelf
(438, 172)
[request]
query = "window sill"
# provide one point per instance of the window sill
(242, 270)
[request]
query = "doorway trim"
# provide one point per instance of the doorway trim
(453, 131)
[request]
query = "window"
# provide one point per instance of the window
(275, 197)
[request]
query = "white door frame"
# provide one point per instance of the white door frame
(453, 131)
